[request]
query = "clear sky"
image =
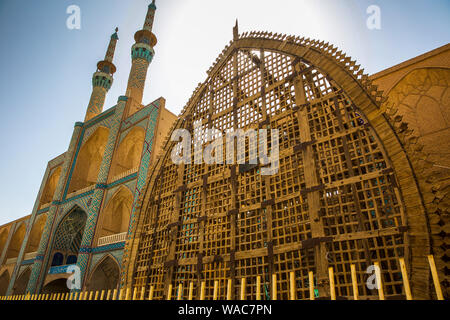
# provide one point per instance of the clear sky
(46, 69)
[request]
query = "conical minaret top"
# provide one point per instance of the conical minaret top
(102, 80)
(142, 54)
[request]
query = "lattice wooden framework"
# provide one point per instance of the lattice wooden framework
(346, 191)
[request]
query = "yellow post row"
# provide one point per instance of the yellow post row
(169, 294)
(243, 284)
(229, 290)
(202, 291)
(180, 291)
(354, 282)
(292, 286)
(274, 287)
(216, 288)
(311, 285)
(437, 284)
(332, 286)
(405, 279)
(379, 280)
(191, 290)
(150, 295)
(258, 288)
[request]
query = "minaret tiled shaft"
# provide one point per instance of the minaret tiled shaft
(142, 54)
(102, 80)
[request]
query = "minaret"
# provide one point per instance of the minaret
(102, 80)
(142, 54)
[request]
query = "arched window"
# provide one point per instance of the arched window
(116, 215)
(72, 259)
(58, 259)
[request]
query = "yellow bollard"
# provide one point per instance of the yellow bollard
(142, 293)
(354, 282)
(96, 295)
(274, 287)
(332, 286)
(108, 295)
(169, 293)
(114, 297)
(150, 295)
(91, 295)
(229, 290)
(120, 293)
(437, 284)
(202, 290)
(312, 295)
(102, 295)
(243, 284)
(258, 288)
(379, 280)
(180, 291)
(216, 288)
(405, 279)
(135, 291)
(128, 296)
(293, 286)
(191, 290)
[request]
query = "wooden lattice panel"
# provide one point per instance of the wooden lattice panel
(335, 200)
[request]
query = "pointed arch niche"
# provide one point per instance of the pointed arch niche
(105, 275)
(4, 282)
(89, 160)
(50, 187)
(36, 233)
(22, 281)
(128, 154)
(16, 242)
(116, 215)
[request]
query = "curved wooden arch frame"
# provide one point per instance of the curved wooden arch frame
(363, 94)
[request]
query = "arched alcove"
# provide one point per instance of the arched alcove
(56, 286)
(128, 154)
(22, 281)
(89, 160)
(4, 282)
(68, 236)
(50, 187)
(105, 275)
(116, 215)
(16, 242)
(36, 233)
(3, 239)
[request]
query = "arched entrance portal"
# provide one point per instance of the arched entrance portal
(65, 247)
(105, 275)
(22, 282)
(4, 282)
(68, 237)
(56, 286)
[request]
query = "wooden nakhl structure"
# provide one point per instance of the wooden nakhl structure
(348, 190)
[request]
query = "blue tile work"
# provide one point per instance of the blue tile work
(46, 234)
(94, 208)
(110, 247)
(25, 262)
(59, 269)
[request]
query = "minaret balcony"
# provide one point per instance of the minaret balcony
(143, 51)
(101, 79)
